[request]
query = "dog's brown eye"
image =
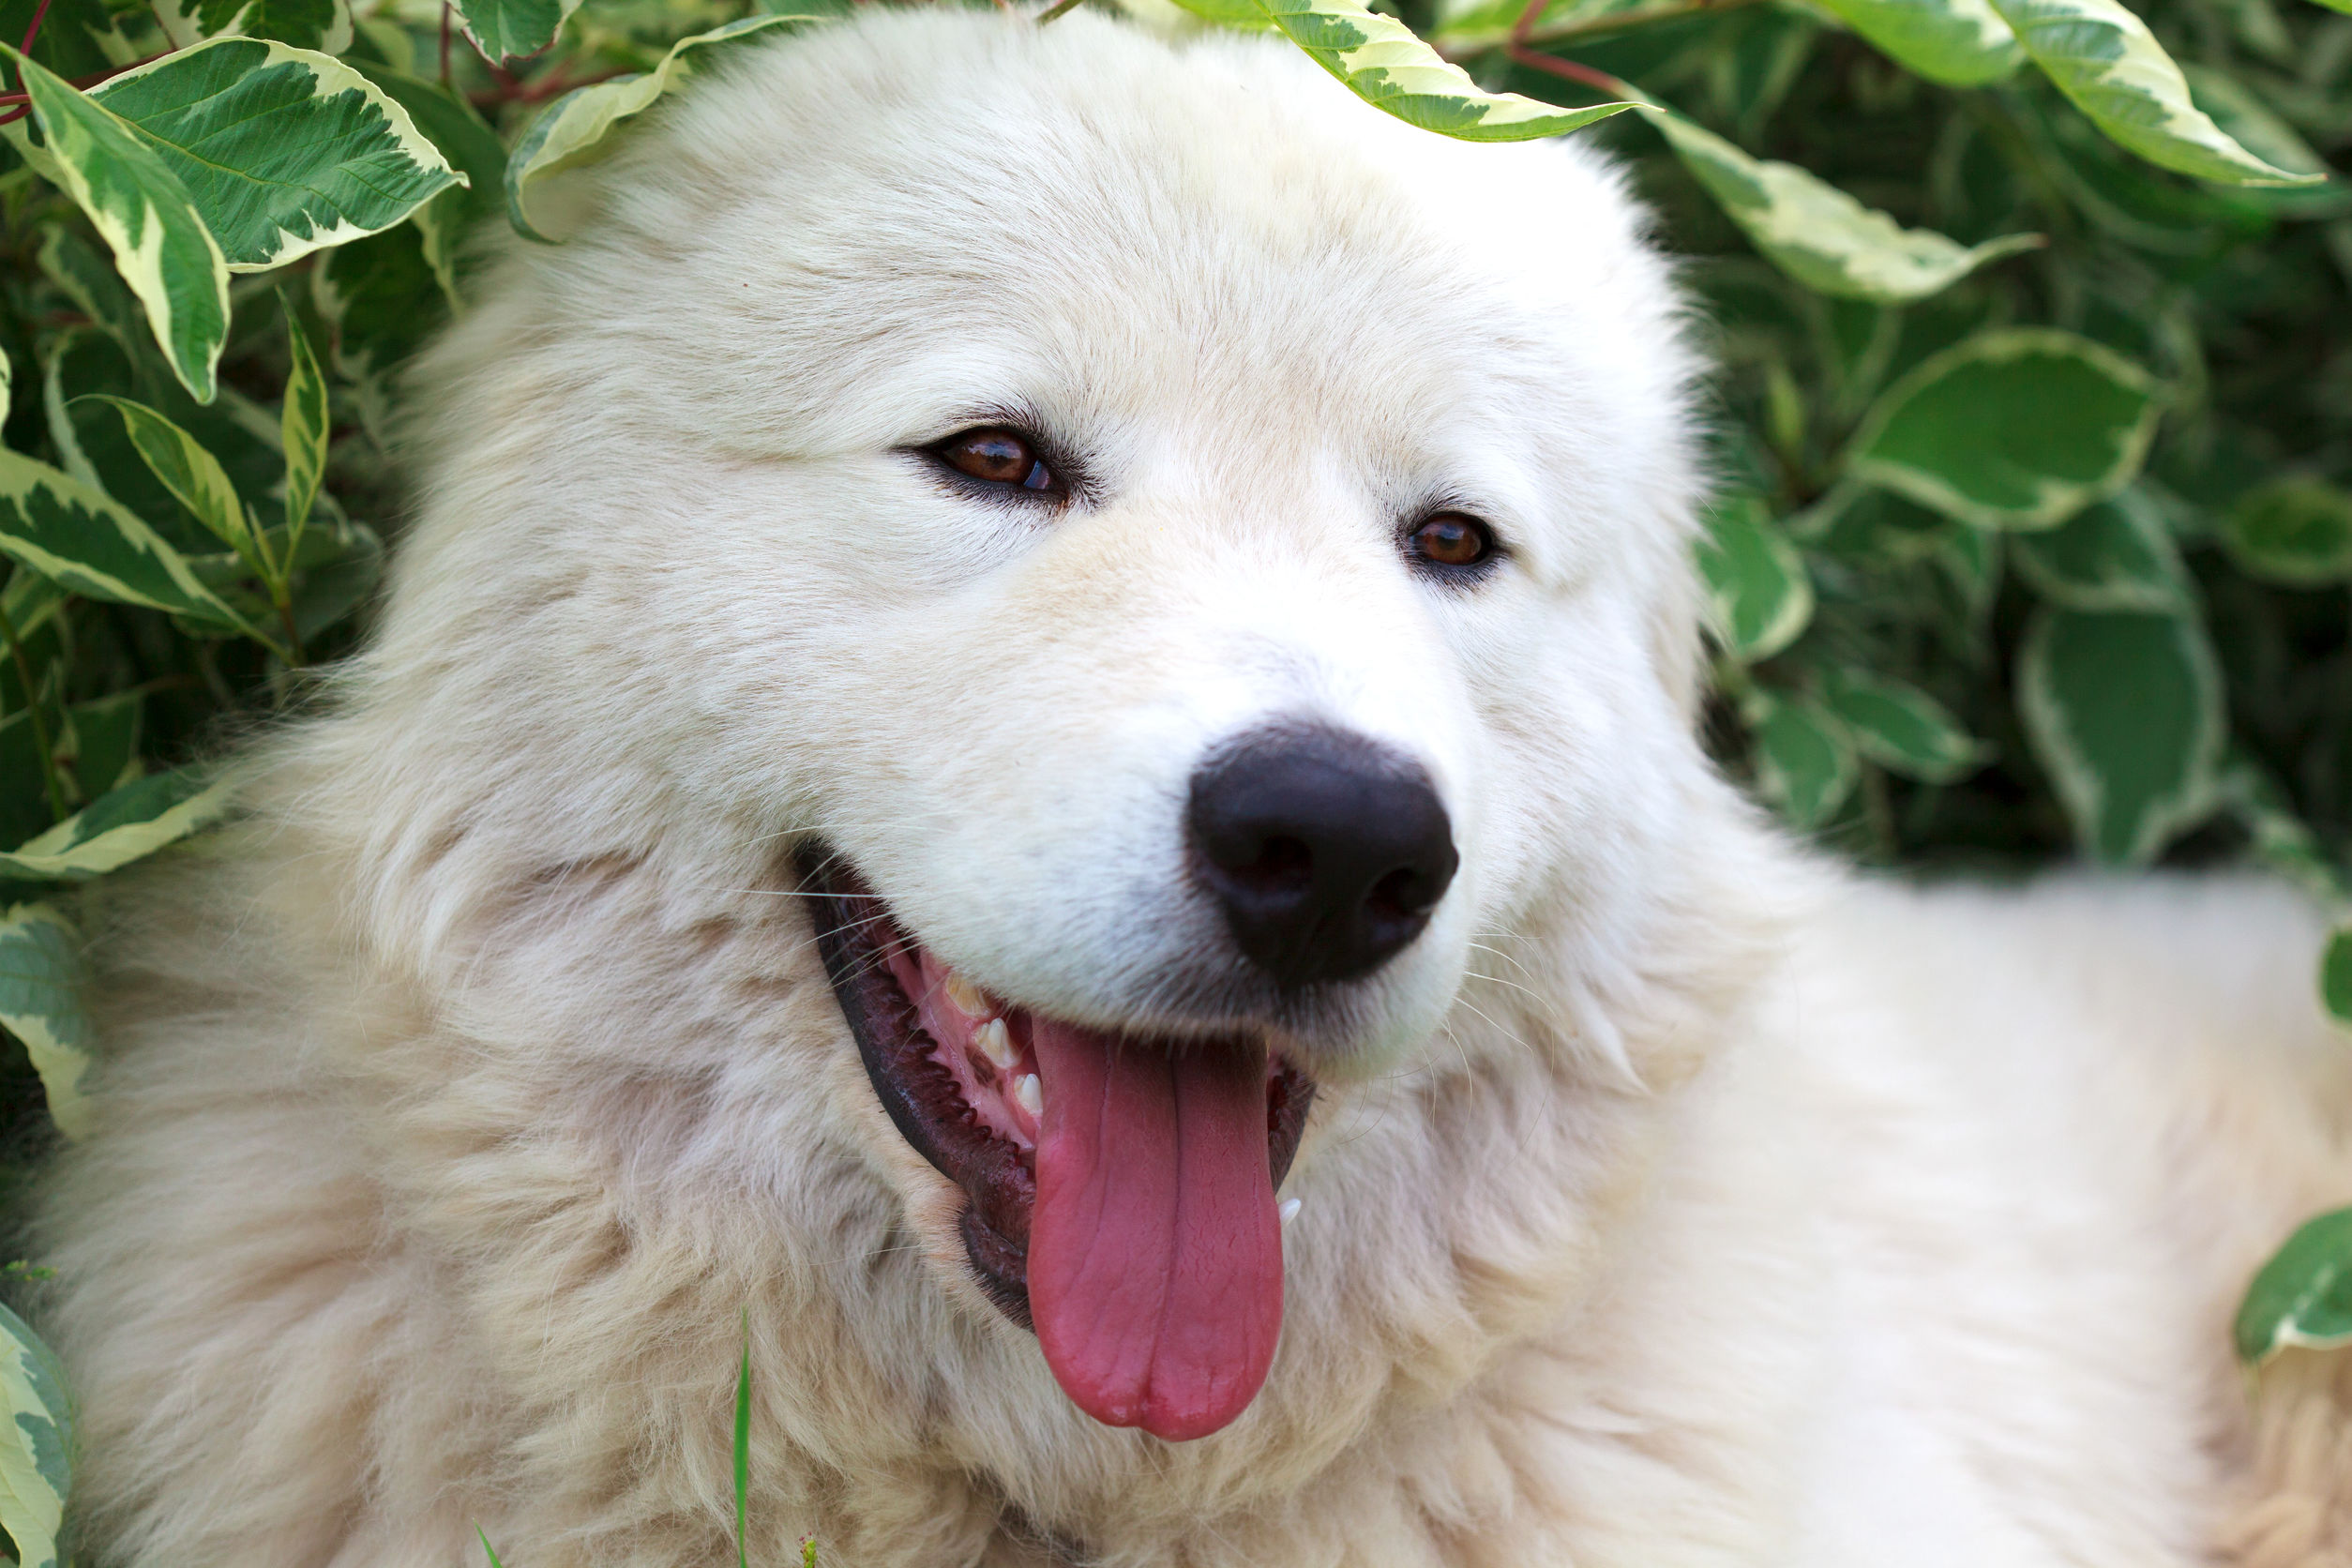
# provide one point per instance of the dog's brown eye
(999, 456)
(1451, 540)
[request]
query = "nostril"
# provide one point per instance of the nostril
(1404, 894)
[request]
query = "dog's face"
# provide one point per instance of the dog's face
(1175, 562)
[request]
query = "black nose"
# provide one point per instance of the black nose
(1326, 849)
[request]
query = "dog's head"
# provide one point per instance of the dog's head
(1165, 562)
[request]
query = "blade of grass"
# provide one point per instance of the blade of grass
(487, 1547)
(742, 1440)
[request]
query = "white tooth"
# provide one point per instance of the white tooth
(969, 997)
(1032, 1098)
(1289, 1209)
(996, 1044)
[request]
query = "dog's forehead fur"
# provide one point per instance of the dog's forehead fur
(1204, 261)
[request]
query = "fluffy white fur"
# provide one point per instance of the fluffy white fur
(1676, 1199)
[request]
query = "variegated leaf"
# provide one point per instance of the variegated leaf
(574, 129)
(1387, 64)
(1960, 43)
(2302, 1296)
(1818, 235)
(162, 246)
(119, 827)
(40, 1004)
(2018, 427)
(2103, 57)
(304, 23)
(2124, 710)
(303, 424)
(37, 1445)
(1759, 597)
(193, 476)
(284, 151)
(79, 538)
(506, 30)
(1804, 756)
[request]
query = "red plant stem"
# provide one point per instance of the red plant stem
(40, 14)
(445, 43)
(1569, 70)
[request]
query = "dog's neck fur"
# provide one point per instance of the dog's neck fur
(661, 1143)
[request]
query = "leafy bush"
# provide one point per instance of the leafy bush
(2033, 537)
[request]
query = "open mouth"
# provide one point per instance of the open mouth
(1120, 1190)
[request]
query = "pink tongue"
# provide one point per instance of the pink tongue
(1154, 1253)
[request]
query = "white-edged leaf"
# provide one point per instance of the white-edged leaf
(284, 151)
(1902, 728)
(304, 422)
(1758, 592)
(1805, 760)
(1960, 43)
(2103, 57)
(193, 476)
(2124, 712)
(2251, 123)
(305, 23)
(2302, 1296)
(2113, 554)
(162, 246)
(120, 826)
(37, 1446)
(2296, 530)
(40, 1004)
(1387, 64)
(574, 129)
(84, 542)
(2015, 428)
(506, 30)
(1818, 235)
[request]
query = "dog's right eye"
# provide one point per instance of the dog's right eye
(999, 456)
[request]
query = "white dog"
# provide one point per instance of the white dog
(1036, 647)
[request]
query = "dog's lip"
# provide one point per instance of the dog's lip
(987, 1149)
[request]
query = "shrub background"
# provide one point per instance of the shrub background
(2033, 422)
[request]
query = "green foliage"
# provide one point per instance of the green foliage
(2303, 1295)
(2034, 422)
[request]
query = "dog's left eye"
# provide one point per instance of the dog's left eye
(1452, 539)
(998, 456)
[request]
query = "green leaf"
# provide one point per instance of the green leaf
(2114, 554)
(80, 539)
(304, 23)
(2302, 1296)
(192, 474)
(472, 145)
(1960, 43)
(381, 300)
(2276, 835)
(2124, 710)
(2296, 530)
(36, 1453)
(119, 827)
(304, 422)
(2335, 975)
(1756, 585)
(162, 244)
(2016, 427)
(2103, 57)
(40, 1004)
(2249, 121)
(90, 281)
(1805, 759)
(1818, 235)
(1245, 15)
(1902, 728)
(1386, 64)
(284, 151)
(507, 30)
(575, 129)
